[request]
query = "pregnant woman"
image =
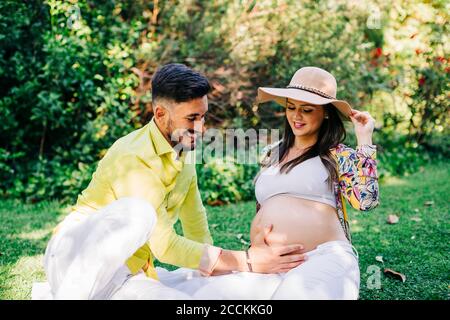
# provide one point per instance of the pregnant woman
(301, 191)
(305, 179)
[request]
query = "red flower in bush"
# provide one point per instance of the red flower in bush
(418, 51)
(421, 81)
(378, 52)
(441, 59)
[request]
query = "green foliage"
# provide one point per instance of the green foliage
(224, 181)
(64, 94)
(430, 104)
(74, 76)
(402, 157)
(398, 154)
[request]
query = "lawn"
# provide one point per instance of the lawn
(417, 246)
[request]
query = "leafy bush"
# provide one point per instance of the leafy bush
(64, 94)
(402, 157)
(224, 181)
(75, 76)
(398, 154)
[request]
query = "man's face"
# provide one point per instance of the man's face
(183, 123)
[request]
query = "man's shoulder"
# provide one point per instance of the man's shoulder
(136, 144)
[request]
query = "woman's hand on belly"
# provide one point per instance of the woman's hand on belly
(273, 259)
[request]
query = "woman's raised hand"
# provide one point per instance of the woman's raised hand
(364, 125)
(277, 259)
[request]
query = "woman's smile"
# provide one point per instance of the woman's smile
(298, 124)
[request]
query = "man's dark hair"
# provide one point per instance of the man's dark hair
(179, 83)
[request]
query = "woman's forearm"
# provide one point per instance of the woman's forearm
(364, 140)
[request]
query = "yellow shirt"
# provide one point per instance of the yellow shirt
(143, 164)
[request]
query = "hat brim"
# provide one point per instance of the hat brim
(279, 95)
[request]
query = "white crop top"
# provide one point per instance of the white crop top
(306, 180)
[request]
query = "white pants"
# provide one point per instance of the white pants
(330, 273)
(86, 258)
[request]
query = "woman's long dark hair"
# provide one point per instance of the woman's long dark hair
(331, 133)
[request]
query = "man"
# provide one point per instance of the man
(125, 217)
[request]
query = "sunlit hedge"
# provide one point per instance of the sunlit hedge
(74, 75)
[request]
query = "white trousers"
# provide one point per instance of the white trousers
(86, 258)
(330, 273)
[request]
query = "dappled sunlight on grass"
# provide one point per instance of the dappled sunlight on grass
(375, 229)
(24, 233)
(22, 275)
(35, 234)
(394, 181)
(356, 229)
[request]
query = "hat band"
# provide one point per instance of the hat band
(309, 89)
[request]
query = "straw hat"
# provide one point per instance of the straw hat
(309, 84)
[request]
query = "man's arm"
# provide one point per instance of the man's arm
(193, 216)
(134, 178)
(218, 261)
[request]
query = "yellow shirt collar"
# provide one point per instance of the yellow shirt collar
(162, 146)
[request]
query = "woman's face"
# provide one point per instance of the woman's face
(305, 119)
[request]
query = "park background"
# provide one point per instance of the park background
(75, 76)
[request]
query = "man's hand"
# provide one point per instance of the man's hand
(267, 259)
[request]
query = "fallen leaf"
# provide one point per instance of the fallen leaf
(416, 210)
(392, 219)
(216, 203)
(395, 274)
(239, 236)
(429, 203)
(416, 219)
(379, 259)
(413, 237)
(214, 225)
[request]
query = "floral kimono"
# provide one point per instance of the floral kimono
(358, 181)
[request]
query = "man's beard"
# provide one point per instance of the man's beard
(176, 137)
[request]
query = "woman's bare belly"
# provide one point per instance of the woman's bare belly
(297, 221)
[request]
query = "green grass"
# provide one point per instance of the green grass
(417, 246)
